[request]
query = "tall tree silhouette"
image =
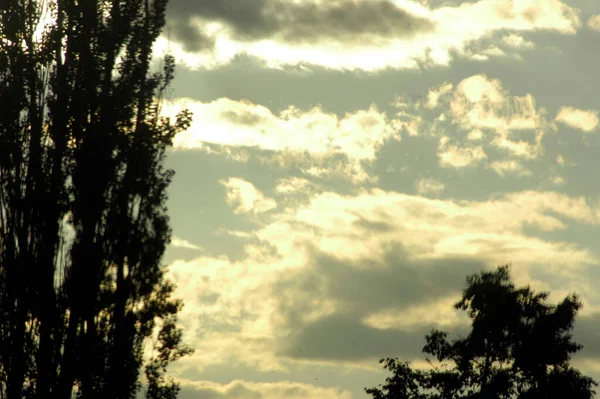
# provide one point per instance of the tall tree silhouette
(519, 347)
(85, 308)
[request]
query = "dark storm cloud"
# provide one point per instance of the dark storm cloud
(181, 30)
(340, 337)
(345, 21)
(587, 333)
(394, 282)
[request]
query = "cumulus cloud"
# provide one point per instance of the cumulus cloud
(291, 185)
(238, 389)
(246, 198)
(434, 95)
(466, 219)
(585, 120)
(594, 23)
(242, 123)
(377, 287)
(517, 41)
(480, 102)
(181, 243)
(368, 32)
(320, 143)
(510, 166)
(429, 186)
(340, 263)
(479, 118)
(451, 155)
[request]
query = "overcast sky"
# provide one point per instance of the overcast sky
(351, 162)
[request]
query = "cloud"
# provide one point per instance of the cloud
(585, 120)
(350, 34)
(239, 389)
(364, 261)
(242, 123)
(320, 143)
(593, 23)
(517, 41)
(482, 118)
(355, 294)
(246, 197)
(479, 102)
(341, 338)
(459, 157)
(429, 186)
(291, 185)
(510, 166)
(434, 95)
(300, 22)
(416, 222)
(181, 243)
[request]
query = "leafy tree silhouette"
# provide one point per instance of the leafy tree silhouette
(84, 303)
(518, 347)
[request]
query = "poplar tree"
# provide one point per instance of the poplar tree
(85, 307)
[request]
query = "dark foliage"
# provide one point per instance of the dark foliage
(519, 347)
(83, 223)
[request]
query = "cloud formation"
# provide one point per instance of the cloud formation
(372, 263)
(481, 121)
(241, 123)
(353, 34)
(429, 186)
(517, 41)
(584, 120)
(181, 243)
(320, 143)
(303, 22)
(240, 389)
(593, 23)
(246, 198)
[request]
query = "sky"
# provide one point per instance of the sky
(350, 162)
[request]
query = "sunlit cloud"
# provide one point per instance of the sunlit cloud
(585, 120)
(510, 166)
(439, 313)
(320, 143)
(459, 157)
(594, 23)
(483, 117)
(393, 33)
(181, 243)
(258, 390)
(434, 95)
(246, 198)
(517, 41)
(429, 186)
(291, 185)
(243, 123)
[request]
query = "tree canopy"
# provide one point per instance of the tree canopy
(519, 347)
(85, 308)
